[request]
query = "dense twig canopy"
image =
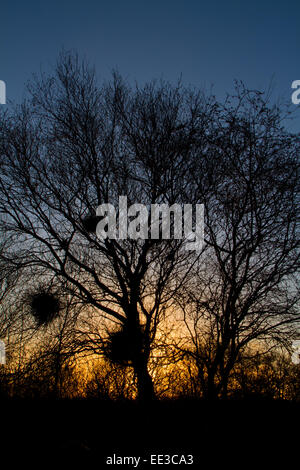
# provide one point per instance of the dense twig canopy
(73, 145)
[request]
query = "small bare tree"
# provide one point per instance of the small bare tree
(245, 287)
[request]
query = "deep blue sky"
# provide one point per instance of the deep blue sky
(208, 42)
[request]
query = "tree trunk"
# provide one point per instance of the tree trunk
(144, 380)
(211, 389)
(141, 349)
(225, 389)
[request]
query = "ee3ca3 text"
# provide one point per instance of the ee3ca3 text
(165, 459)
(153, 459)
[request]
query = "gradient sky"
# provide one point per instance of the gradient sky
(208, 42)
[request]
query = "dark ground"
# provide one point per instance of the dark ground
(232, 434)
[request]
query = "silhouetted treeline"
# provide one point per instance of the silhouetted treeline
(159, 318)
(271, 376)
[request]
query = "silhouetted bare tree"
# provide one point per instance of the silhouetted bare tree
(73, 146)
(245, 287)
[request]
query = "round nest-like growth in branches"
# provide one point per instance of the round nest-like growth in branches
(90, 223)
(124, 345)
(45, 306)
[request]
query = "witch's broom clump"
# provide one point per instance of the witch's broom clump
(90, 222)
(45, 306)
(124, 345)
